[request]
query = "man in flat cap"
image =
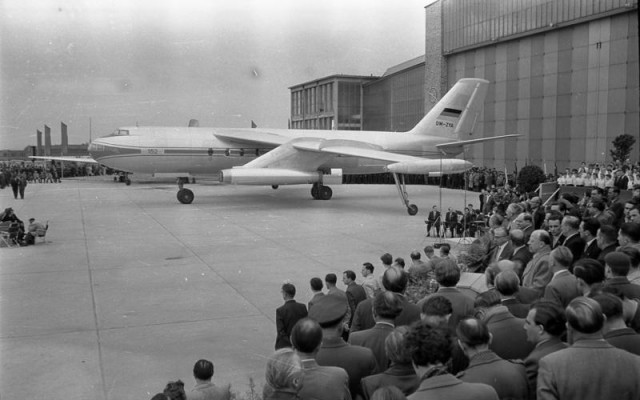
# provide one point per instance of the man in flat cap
(358, 361)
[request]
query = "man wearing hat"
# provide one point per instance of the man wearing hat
(358, 361)
(617, 265)
(35, 229)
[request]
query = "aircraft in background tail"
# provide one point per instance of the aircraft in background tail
(273, 157)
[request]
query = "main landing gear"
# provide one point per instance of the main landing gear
(412, 209)
(321, 192)
(185, 196)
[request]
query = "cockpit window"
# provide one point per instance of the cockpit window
(120, 132)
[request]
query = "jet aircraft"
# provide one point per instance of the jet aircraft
(260, 156)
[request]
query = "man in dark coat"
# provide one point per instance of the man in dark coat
(355, 293)
(615, 329)
(287, 315)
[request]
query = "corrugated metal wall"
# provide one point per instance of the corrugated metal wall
(472, 22)
(568, 91)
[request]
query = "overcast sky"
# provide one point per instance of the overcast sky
(163, 62)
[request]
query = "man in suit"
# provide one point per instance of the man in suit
(537, 212)
(570, 228)
(502, 247)
(386, 307)
(629, 235)
(521, 254)
(451, 221)
(287, 315)
(355, 293)
(508, 378)
(615, 330)
(617, 265)
(509, 340)
(334, 351)
(320, 382)
(588, 232)
(563, 286)
(508, 284)
(524, 222)
(430, 351)
(544, 326)
(433, 220)
(589, 274)
(584, 370)
(448, 276)
(607, 238)
(316, 289)
(395, 280)
(554, 221)
(537, 273)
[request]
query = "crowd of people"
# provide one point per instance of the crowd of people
(15, 230)
(622, 177)
(559, 317)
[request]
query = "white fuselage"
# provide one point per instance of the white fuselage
(198, 151)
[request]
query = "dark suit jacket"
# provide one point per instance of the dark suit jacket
(401, 376)
(374, 339)
(314, 299)
(562, 289)
(521, 257)
(625, 339)
(461, 303)
(355, 294)
(286, 317)
(630, 290)
(506, 377)
(324, 383)
(505, 255)
(532, 360)
(449, 387)
(356, 360)
(576, 244)
(516, 307)
(527, 295)
(592, 251)
(605, 251)
(509, 337)
(586, 371)
(364, 315)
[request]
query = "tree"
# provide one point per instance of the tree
(622, 145)
(529, 178)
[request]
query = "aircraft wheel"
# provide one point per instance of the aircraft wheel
(315, 192)
(274, 187)
(325, 193)
(412, 209)
(185, 196)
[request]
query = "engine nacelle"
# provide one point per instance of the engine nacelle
(432, 167)
(268, 176)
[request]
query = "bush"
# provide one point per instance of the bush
(529, 178)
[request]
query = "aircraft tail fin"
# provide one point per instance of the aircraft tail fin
(455, 115)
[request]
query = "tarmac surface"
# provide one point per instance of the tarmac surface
(132, 287)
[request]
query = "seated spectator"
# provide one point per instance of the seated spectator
(448, 276)
(283, 375)
(430, 350)
(322, 383)
(506, 377)
(205, 389)
(544, 326)
(509, 339)
(35, 229)
(400, 373)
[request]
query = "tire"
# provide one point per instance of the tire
(185, 196)
(412, 209)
